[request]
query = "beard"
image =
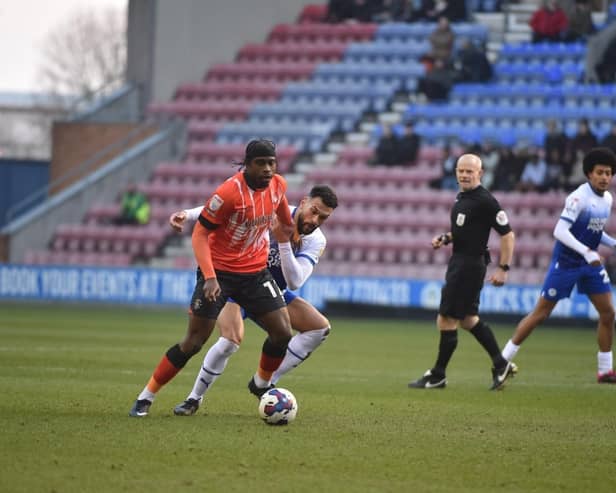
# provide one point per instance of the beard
(304, 228)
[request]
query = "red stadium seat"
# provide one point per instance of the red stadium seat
(323, 32)
(293, 51)
(226, 90)
(313, 13)
(260, 72)
(216, 110)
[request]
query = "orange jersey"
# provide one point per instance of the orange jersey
(244, 216)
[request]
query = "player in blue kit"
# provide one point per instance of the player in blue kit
(575, 260)
(293, 254)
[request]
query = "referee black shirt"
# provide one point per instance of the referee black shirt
(473, 215)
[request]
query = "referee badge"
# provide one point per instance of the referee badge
(501, 218)
(460, 219)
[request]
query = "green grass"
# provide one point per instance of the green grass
(69, 374)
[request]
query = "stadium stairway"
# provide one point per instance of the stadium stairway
(317, 90)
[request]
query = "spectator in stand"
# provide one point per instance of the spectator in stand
(557, 140)
(580, 22)
(606, 68)
(507, 172)
(488, 153)
(387, 148)
(135, 208)
(408, 145)
(437, 83)
(448, 180)
(577, 177)
(535, 174)
(583, 141)
(597, 46)
(442, 41)
(363, 10)
(548, 23)
(428, 10)
(431, 10)
(557, 170)
(392, 11)
(472, 64)
(610, 139)
(339, 10)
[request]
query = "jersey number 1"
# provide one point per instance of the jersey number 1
(273, 288)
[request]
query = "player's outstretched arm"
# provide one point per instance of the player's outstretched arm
(563, 234)
(178, 218)
(296, 270)
(284, 213)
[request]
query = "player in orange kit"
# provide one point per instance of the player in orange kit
(231, 245)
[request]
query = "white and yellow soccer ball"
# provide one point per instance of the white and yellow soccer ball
(278, 406)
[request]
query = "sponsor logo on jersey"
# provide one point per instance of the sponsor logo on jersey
(460, 219)
(501, 218)
(596, 224)
(214, 203)
(572, 205)
(273, 259)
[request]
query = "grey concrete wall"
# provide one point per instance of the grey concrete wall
(34, 229)
(190, 35)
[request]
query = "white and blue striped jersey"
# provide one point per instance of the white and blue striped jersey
(588, 213)
(311, 248)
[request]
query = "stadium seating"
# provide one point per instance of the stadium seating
(311, 80)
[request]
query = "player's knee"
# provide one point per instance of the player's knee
(541, 316)
(227, 347)
(192, 348)
(608, 315)
(280, 339)
(325, 331)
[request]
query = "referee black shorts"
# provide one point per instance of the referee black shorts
(257, 293)
(463, 282)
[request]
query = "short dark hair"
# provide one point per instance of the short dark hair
(599, 156)
(259, 148)
(326, 194)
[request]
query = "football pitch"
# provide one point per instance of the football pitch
(69, 375)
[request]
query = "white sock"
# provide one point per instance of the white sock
(510, 350)
(300, 347)
(604, 362)
(147, 395)
(259, 382)
(213, 365)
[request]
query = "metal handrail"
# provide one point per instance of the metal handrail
(42, 193)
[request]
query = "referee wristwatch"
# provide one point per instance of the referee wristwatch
(504, 267)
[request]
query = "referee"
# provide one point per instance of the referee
(474, 213)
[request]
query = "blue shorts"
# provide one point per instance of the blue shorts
(590, 280)
(288, 298)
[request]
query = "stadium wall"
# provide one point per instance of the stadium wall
(173, 42)
(35, 227)
(19, 178)
(75, 143)
(141, 286)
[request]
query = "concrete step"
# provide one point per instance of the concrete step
(324, 158)
(356, 138)
(367, 127)
(517, 37)
(390, 118)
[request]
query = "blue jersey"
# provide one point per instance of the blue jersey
(311, 247)
(587, 213)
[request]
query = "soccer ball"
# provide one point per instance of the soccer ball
(277, 406)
